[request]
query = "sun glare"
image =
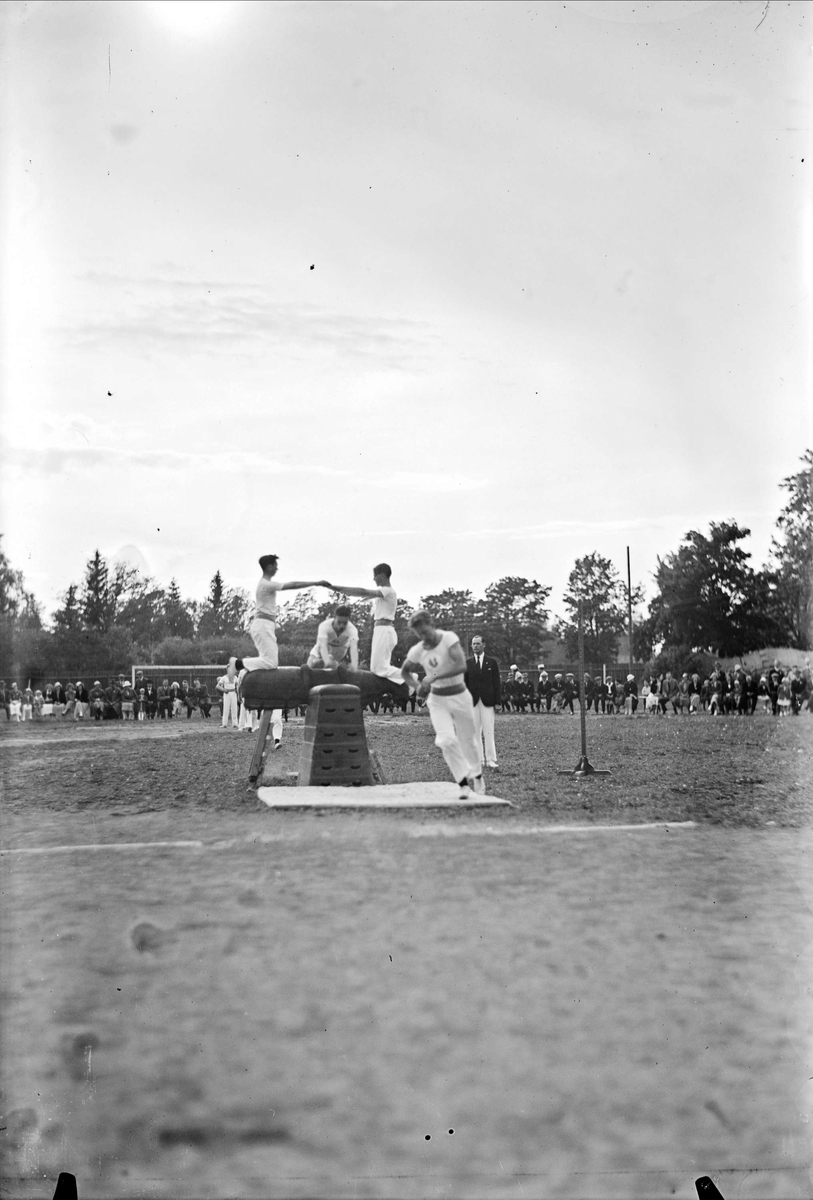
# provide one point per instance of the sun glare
(194, 18)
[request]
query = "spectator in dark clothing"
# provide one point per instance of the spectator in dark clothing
(164, 701)
(3, 700)
(797, 691)
(544, 691)
(150, 701)
(630, 696)
(112, 710)
(204, 700)
(669, 694)
(190, 697)
(97, 700)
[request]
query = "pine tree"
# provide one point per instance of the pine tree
(70, 615)
(98, 605)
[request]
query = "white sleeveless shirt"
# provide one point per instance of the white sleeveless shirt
(384, 606)
(267, 597)
(437, 660)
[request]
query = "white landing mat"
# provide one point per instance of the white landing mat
(390, 795)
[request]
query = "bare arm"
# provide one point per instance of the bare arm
(408, 672)
(354, 654)
(324, 650)
(299, 583)
(364, 593)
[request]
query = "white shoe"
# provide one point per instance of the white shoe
(477, 785)
(277, 744)
(494, 766)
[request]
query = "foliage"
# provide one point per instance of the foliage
(225, 611)
(20, 622)
(792, 552)
(515, 618)
(709, 601)
(595, 583)
(178, 614)
(16, 602)
(706, 592)
(97, 600)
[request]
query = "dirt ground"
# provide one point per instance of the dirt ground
(726, 770)
(303, 1005)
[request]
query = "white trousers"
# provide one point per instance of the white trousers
(229, 708)
(385, 639)
(264, 636)
(249, 719)
(455, 733)
(484, 726)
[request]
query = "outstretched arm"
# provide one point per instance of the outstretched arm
(299, 583)
(364, 593)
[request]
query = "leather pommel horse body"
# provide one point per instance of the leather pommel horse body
(287, 687)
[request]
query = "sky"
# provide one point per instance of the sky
(473, 288)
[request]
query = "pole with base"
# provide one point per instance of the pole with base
(583, 766)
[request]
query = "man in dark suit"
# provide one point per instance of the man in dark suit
(483, 681)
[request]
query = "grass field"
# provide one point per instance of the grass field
(308, 1004)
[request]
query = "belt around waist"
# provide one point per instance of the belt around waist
(455, 690)
(384, 621)
(265, 617)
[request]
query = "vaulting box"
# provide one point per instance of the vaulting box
(334, 749)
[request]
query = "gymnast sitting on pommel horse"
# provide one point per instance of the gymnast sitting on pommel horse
(263, 623)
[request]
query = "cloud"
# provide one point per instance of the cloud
(430, 481)
(550, 529)
(207, 315)
(55, 460)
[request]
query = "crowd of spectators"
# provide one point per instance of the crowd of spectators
(736, 692)
(120, 700)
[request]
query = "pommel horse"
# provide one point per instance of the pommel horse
(287, 687)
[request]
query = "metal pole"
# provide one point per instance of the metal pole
(581, 685)
(629, 604)
(583, 766)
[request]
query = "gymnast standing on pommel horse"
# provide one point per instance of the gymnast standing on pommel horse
(263, 624)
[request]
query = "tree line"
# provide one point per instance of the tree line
(708, 600)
